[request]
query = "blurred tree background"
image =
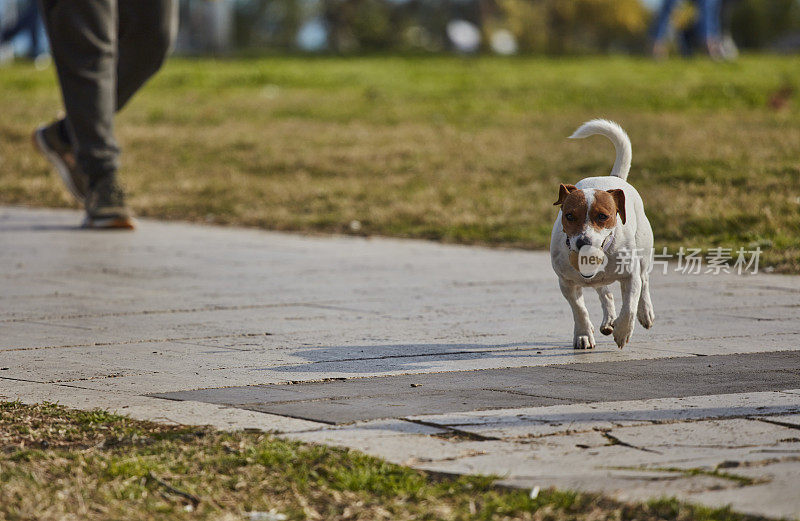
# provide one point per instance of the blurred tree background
(757, 24)
(553, 27)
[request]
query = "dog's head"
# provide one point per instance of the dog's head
(588, 216)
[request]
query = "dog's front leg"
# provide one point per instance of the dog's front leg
(609, 313)
(583, 334)
(631, 291)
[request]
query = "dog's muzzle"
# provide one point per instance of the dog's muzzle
(607, 242)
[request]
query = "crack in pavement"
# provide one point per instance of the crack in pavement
(778, 422)
(59, 384)
(762, 463)
(67, 326)
(613, 440)
(729, 337)
(457, 433)
(317, 305)
(757, 319)
(520, 393)
(629, 422)
(138, 341)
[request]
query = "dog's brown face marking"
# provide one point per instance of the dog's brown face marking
(573, 208)
(602, 214)
(618, 197)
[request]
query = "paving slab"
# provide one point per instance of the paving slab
(392, 396)
(151, 409)
(733, 458)
(536, 422)
(119, 320)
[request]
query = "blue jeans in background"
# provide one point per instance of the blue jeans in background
(708, 23)
(29, 24)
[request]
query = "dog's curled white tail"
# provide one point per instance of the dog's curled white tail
(622, 144)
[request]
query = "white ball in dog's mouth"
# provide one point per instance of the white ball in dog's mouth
(588, 261)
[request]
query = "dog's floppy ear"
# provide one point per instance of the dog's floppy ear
(563, 192)
(619, 198)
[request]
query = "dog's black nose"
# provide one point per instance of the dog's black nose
(581, 242)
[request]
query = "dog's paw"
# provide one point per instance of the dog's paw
(607, 328)
(623, 329)
(646, 316)
(584, 340)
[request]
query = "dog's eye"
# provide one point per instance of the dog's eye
(602, 217)
(570, 217)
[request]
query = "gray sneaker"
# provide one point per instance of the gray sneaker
(53, 143)
(106, 208)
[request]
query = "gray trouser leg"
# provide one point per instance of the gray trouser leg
(147, 29)
(83, 42)
(104, 51)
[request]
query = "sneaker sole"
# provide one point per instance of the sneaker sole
(110, 223)
(58, 163)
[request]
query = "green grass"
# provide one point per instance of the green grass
(57, 463)
(443, 148)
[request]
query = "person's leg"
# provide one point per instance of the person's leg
(661, 25)
(147, 29)
(37, 45)
(24, 20)
(661, 28)
(83, 40)
(710, 26)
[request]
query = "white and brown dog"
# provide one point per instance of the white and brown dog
(601, 236)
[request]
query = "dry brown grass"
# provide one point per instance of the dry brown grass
(444, 149)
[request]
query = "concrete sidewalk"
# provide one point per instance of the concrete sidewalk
(139, 322)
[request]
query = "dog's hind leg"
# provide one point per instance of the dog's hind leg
(583, 334)
(609, 313)
(645, 312)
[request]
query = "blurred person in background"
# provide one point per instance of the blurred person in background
(707, 29)
(28, 23)
(104, 51)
